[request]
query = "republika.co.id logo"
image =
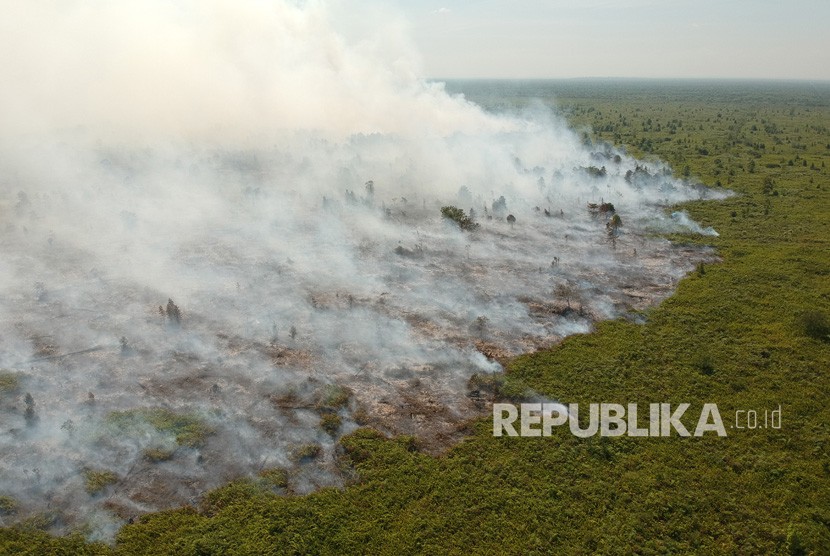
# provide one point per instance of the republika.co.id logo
(612, 419)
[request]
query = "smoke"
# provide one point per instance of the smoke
(684, 223)
(210, 70)
(223, 247)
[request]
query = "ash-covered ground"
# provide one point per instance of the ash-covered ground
(279, 324)
(193, 291)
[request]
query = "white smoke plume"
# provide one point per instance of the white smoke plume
(278, 178)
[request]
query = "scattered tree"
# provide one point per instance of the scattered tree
(29, 413)
(22, 200)
(479, 326)
(174, 315)
(769, 185)
(612, 228)
(458, 216)
(125, 346)
(595, 172)
(565, 291)
(500, 206)
(597, 208)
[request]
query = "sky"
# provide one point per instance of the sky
(763, 39)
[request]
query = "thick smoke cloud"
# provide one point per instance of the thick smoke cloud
(279, 180)
(210, 70)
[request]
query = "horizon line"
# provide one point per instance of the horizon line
(619, 78)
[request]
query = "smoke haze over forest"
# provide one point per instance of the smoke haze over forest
(223, 246)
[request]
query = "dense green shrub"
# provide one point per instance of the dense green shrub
(816, 325)
(458, 216)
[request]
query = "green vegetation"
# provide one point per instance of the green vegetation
(188, 430)
(156, 455)
(458, 216)
(330, 422)
(275, 476)
(334, 397)
(9, 382)
(504, 387)
(97, 481)
(307, 453)
(816, 325)
(757, 321)
(20, 541)
(8, 505)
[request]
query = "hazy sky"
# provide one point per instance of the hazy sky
(622, 38)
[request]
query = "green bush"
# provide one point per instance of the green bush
(816, 325)
(155, 455)
(275, 476)
(458, 216)
(9, 382)
(334, 396)
(705, 364)
(8, 505)
(515, 389)
(188, 430)
(307, 453)
(97, 481)
(330, 422)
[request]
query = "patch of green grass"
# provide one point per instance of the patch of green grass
(334, 397)
(155, 455)
(8, 505)
(330, 422)
(97, 481)
(815, 325)
(188, 430)
(504, 387)
(275, 476)
(704, 363)
(19, 541)
(9, 382)
(307, 453)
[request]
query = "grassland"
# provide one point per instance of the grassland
(737, 334)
